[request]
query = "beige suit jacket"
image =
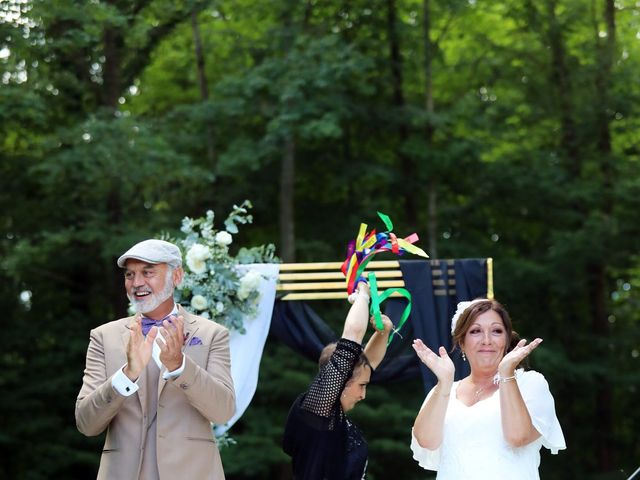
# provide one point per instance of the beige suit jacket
(187, 404)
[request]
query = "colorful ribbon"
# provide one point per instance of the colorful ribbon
(360, 252)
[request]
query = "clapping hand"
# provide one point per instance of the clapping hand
(139, 348)
(441, 365)
(171, 349)
(512, 359)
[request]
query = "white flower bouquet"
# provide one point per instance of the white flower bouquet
(213, 285)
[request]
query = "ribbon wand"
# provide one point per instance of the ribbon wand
(360, 252)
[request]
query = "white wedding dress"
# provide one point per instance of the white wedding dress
(473, 446)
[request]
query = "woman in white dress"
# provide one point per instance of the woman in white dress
(491, 424)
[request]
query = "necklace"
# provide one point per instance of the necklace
(477, 393)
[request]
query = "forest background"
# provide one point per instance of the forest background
(504, 128)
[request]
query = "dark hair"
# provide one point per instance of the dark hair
(328, 350)
(474, 311)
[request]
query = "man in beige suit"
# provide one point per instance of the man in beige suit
(156, 381)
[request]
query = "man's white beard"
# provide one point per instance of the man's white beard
(153, 301)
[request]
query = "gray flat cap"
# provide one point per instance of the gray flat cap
(153, 251)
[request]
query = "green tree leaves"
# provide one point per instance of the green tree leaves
(524, 148)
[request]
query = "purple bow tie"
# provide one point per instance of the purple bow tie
(147, 323)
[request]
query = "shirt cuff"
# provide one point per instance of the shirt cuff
(123, 385)
(176, 373)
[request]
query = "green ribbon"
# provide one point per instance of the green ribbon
(377, 299)
(387, 221)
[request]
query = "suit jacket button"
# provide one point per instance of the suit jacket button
(184, 386)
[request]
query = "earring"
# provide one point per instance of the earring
(464, 357)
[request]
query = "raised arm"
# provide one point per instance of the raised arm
(326, 388)
(377, 344)
(517, 428)
(429, 425)
(355, 325)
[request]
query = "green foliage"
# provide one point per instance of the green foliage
(531, 150)
(214, 285)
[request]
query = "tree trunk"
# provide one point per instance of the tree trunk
(115, 285)
(606, 53)
(287, 190)
(432, 224)
(407, 165)
(603, 417)
(560, 78)
(112, 74)
(203, 84)
(598, 280)
(288, 172)
(428, 59)
(432, 194)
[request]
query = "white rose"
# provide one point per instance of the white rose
(248, 283)
(251, 279)
(199, 252)
(462, 306)
(198, 302)
(197, 266)
(219, 307)
(223, 238)
(196, 257)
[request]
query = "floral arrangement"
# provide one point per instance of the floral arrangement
(216, 285)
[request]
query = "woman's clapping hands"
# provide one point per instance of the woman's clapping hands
(441, 365)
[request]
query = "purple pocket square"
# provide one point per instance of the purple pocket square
(195, 341)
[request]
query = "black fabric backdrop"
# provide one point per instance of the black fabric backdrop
(298, 326)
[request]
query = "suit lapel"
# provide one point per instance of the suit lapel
(190, 327)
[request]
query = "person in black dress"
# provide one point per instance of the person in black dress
(322, 442)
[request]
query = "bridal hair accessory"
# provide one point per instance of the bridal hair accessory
(462, 306)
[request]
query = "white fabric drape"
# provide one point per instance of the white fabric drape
(246, 349)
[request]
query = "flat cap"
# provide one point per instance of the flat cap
(153, 251)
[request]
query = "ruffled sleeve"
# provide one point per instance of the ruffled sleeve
(536, 395)
(427, 459)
